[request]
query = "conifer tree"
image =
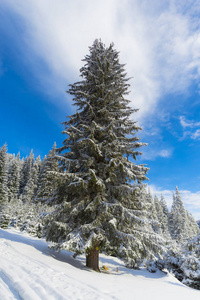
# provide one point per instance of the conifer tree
(26, 170)
(164, 218)
(14, 178)
(171, 216)
(163, 204)
(180, 222)
(177, 218)
(3, 177)
(102, 207)
(4, 217)
(30, 188)
(35, 174)
(193, 228)
(151, 212)
(47, 179)
(159, 210)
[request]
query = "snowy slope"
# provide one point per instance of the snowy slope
(30, 271)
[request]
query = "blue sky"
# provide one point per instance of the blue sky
(42, 44)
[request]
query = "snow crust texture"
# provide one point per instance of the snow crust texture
(29, 270)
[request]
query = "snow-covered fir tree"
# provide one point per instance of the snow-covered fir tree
(171, 216)
(26, 170)
(152, 214)
(159, 210)
(14, 178)
(183, 261)
(177, 217)
(102, 207)
(182, 225)
(3, 177)
(193, 228)
(163, 204)
(151, 211)
(47, 178)
(4, 218)
(164, 216)
(30, 187)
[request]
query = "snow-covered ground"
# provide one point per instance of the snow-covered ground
(30, 270)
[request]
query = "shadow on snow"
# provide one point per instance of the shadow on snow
(114, 264)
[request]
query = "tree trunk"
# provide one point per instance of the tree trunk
(92, 259)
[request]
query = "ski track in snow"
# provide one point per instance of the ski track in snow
(30, 271)
(24, 277)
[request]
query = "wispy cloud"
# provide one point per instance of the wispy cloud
(153, 154)
(186, 123)
(190, 199)
(196, 135)
(165, 153)
(190, 128)
(160, 43)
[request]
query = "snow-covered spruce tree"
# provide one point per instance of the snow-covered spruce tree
(4, 218)
(151, 210)
(102, 207)
(163, 204)
(26, 170)
(184, 262)
(47, 179)
(164, 219)
(3, 177)
(29, 190)
(171, 216)
(193, 228)
(159, 210)
(14, 178)
(165, 210)
(152, 213)
(182, 225)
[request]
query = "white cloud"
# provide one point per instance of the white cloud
(190, 125)
(160, 43)
(185, 123)
(192, 202)
(165, 153)
(190, 199)
(196, 135)
(149, 154)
